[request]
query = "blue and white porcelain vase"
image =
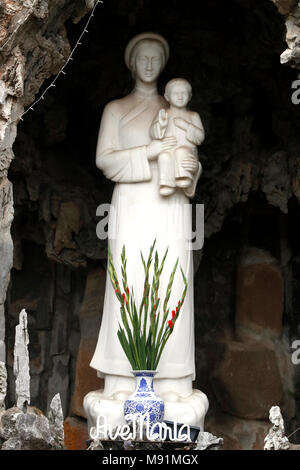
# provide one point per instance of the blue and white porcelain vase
(144, 400)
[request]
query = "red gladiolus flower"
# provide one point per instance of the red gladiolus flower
(170, 323)
(117, 291)
(173, 313)
(176, 309)
(123, 295)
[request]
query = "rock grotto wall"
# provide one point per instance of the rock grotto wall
(33, 47)
(250, 188)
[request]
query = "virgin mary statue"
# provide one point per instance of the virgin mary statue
(139, 214)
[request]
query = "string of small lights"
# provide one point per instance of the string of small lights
(62, 70)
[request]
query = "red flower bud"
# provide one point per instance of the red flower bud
(173, 313)
(153, 307)
(117, 291)
(123, 295)
(145, 302)
(176, 309)
(126, 302)
(127, 290)
(170, 323)
(178, 302)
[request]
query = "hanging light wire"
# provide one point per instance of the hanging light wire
(62, 70)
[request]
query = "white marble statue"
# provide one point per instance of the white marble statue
(128, 156)
(183, 124)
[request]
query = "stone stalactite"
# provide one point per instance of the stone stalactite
(6, 251)
(56, 420)
(26, 427)
(21, 362)
(3, 385)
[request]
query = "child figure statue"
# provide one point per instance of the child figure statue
(187, 127)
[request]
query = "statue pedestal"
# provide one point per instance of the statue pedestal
(188, 410)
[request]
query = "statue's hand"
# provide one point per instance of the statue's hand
(163, 118)
(190, 163)
(158, 146)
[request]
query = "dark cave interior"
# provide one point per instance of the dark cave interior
(230, 53)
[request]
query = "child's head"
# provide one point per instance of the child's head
(178, 92)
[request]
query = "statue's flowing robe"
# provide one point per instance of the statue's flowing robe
(138, 215)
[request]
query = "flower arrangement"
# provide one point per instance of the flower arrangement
(145, 332)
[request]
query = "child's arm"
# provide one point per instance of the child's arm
(195, 132)
(159, 125)
(194, 128)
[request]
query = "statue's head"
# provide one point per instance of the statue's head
(178, 92)
(146, 55)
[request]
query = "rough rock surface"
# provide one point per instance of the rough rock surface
(21, 362)
(238, 434)
(26, 61)
(90, 316)
(12, 444)
(291, 10)
(25, 427)
(56, 421)
(8, 422)
(3, 385)
(6, 244)
(96, 445)
(207, 441)
(276, 439)
(32, 430)
(260, 295)
(247, 380)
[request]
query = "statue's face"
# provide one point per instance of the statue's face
(148, 62)
(178, 95)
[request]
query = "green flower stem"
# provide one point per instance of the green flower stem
(143, 338)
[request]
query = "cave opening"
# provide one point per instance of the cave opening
(230, 53)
